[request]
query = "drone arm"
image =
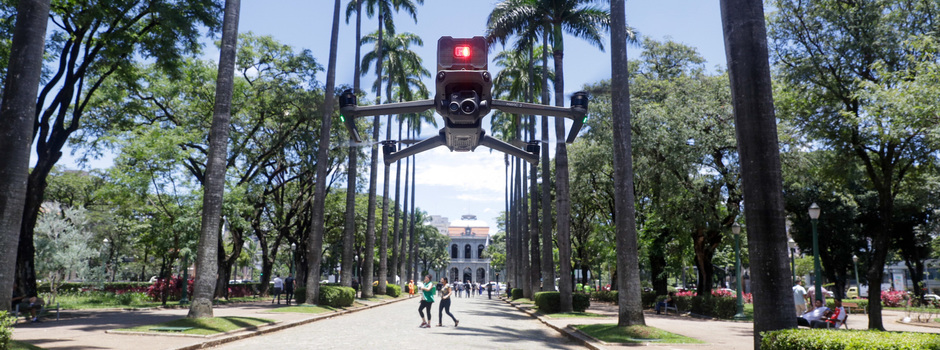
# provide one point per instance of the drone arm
(576, 112)
(354, 111)
(508, 149)
(427, 144)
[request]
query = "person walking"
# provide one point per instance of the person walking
(799, 298)
(411, 288)
(289, 285)
(427, 298)
(489, 290)
(446, 292)
(278, 287)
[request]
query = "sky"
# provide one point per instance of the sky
(453, 184)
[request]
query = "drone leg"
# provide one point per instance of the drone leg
(509, 149)
(419, 147)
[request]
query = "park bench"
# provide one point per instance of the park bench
(42, 312)
(170, 329)
(673, 307)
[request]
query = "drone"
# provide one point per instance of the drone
(463, 98)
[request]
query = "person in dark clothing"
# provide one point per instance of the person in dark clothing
(669, 301)
(446, 292)
(289, 285)
(489, 291)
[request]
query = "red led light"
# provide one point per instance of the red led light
(462, 51)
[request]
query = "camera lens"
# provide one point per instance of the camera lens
(454, 107)
(468, 106)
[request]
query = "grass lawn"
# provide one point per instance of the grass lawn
(305, 309)
(18, 345)
(634, 334)
(205, 326)
(82, 301)
(524, 301)
(573, 314)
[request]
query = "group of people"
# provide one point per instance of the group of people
(285, 286)
(26, 303)
(819, 316)
(428, 290)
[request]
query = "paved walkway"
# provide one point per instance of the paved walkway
(484, 324)
(391, 324)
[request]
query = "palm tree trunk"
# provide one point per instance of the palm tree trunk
(756, 130)
(369, 259)
(562, 202)
(506, 223)
(349, 226)
(631, 309)
(18, 115)
(534, 265)
(413, 257)
(206, 259)
(548, 259)
(399, 238)
(406, 243)
(315, 233)
(383, 253)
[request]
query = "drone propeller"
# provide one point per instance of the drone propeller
(351, 143)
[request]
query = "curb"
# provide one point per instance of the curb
(574, 334)
(243, 334)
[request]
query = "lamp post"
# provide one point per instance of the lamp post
(814, 217)
(107, 260)
(184, 299)
(736, 230)
(858, 284)
(792, 244)
(293, 256)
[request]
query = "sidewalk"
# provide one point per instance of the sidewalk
(717, 334)
(87, 329)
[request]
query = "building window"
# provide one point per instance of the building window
(466, 252)
(480, 252)
(453, 251)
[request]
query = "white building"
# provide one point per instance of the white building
(469, 238)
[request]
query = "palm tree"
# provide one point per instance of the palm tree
(17, 114)
(525, 18)
(315, 230)
(631, 309)
(207, 255)
(748, 67)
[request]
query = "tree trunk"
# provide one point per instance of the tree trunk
(562, 200)
(548, 259)
(756, 131)
(349, 226)
(18, 116)
(315, 234)
(207, 255)
(369, 258)
(535, 253)
(413, 257)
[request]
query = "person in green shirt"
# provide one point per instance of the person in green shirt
(427, 298)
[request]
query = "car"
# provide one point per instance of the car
(932, 297)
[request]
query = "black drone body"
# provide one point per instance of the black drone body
(463, 97)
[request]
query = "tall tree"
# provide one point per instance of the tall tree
(92, 42)
(631, 309)
(756, 129)
(214, 185)
(854, 77)
(17, 114)
(315, 231)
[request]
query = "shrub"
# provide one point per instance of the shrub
(6, 330)
(547, 302)
(648, 299)
(173, 286)
(130, 298)
(393, 290)
(894, 299)
(336, 296)
(516, 293)
(847, 339)
(606, 296)
(580, 302)
(300, 295)
(720, 307)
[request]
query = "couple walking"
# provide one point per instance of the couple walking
(427, 298)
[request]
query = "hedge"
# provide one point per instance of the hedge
(336, 296)
(75, 287)
(606, 296)
(797, 339)
(648, 299)
(393, 290)
(516, 293)
(550, 302)
(6, 330)
(300, 295)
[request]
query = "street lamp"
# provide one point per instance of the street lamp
(293, 256)
(792, 244)
(107, 260)
(814, 217)
(858, 283)
(736, 230)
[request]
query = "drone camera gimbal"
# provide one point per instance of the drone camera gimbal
(463, 97)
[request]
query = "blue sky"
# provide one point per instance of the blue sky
(452, 184)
